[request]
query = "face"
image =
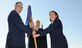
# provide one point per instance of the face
(19, 7)
(38, 23)
(53, 16)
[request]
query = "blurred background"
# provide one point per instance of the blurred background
(70, 13)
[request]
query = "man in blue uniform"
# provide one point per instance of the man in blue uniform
(17, 30)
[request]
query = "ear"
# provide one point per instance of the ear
(56, 15)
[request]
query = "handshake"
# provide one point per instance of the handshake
(35, 27)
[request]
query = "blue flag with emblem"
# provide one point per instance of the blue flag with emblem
(29, 15)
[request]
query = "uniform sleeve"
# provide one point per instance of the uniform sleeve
(49, 29)
(16, 20)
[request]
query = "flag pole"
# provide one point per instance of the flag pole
(35, 42)
(31, 20)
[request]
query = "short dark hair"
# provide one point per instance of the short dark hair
(55, 14)
(18, 3)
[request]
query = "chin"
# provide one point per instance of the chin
(19, 12)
